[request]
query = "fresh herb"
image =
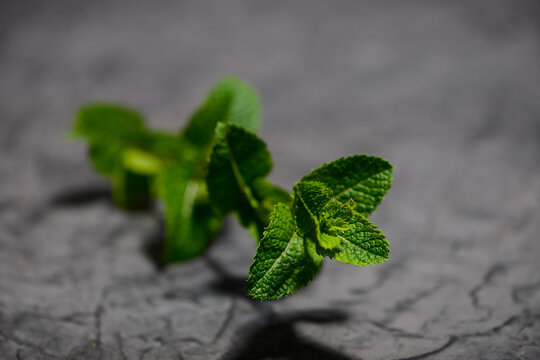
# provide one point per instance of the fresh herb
(218, 165)
(326, 218)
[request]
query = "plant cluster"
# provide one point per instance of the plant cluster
(217, 165)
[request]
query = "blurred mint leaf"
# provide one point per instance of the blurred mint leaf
(105, 157)
(239, 159)
(114, 133)
(364, 179)
(141, 162)
(284, 261)
(191, 220)
(163, 146)
(131, 190)
(230, 101)
(109, 123)
(268, 194)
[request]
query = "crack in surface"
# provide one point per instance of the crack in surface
(495, 270)
(193, 340)
(98, 314)
(519, 291)
(226, 322)
(446, 345)
(407, 303)
(69, 318)
(120, 344)
(525, 317)
(399, 332)
(27, 344)
(383, 275)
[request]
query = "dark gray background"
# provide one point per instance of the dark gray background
(449, 92)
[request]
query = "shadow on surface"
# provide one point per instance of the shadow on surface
(226, 283)
(81, 196)
(154, 244)
(272, 336)
(92, 193)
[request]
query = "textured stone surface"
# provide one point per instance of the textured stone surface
(448, 92)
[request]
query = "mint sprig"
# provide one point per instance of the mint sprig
(324, 218)
(218, 165)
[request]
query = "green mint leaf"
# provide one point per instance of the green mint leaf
(190, 219)
(238, 159)
(165, 147)
(230, 101)
(104, 122)
(268, 194)
(310, 198)
(105, 156)
(364, 179)
(131, 190)
(328, 242)
(130, 168)
(335, 216)
(284, 261)
(141, 162)
(111, 130)
(360, 243)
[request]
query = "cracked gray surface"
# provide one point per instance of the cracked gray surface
(448, 93)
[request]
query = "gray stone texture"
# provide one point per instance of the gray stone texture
(449, 92)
